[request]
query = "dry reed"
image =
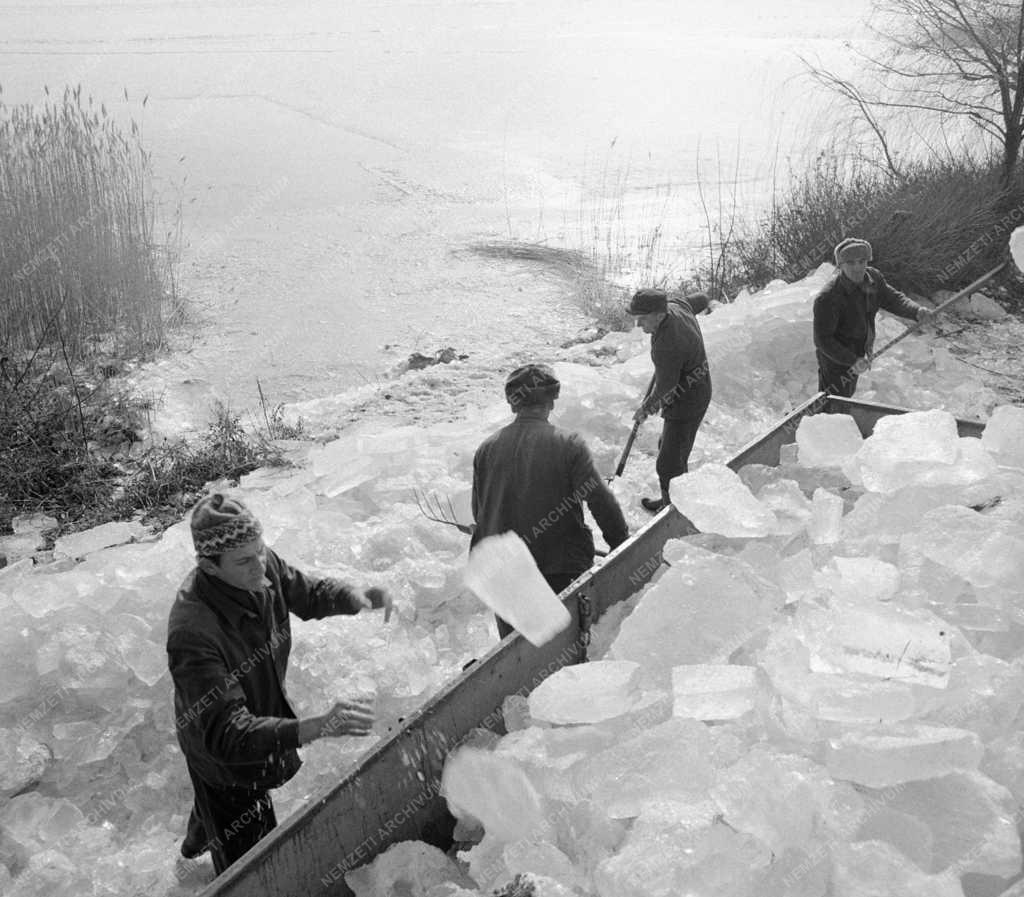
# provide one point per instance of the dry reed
(78, 258)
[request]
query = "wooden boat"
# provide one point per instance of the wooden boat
(393, 794)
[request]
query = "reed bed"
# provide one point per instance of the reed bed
(939, 224)
(79, 265)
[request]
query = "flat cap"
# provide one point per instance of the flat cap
(851, 249)
(532, 384)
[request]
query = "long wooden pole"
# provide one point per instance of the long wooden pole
(970, 288)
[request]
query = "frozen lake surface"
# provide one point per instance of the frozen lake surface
(334, 160)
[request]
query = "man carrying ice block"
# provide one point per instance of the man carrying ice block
(532, 478)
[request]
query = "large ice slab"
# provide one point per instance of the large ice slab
(873, 868)
(88, 541)
(903, 448)
(23, 760)
(701, 610)
(1017, 247)
(716, 501)
(502, 573)
(670, 760)
(863, 579)
(837, 698)
(494, 791)
(972, 821)
(671, 850)
(883, 758)
(776, 797)
(547, 754)
(714, 691)
(827, 440)
(586, 692)
(984, 550)
(1003, 436)
(879, 640)
(407, 867)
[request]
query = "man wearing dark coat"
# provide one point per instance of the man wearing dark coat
(681, 388)
(228, 640)
(533, 478)
(844, 317)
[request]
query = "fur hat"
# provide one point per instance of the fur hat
(220, 523)
(648, 301)
(532, 384)
(851, 249)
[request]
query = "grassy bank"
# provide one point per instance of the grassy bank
(73, 447)
(939, 225)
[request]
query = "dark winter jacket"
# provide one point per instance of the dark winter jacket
(532, 478)
(844, 315)
(682, 379)
(228, 654)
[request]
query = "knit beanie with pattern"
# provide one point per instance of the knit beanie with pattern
(220, 523)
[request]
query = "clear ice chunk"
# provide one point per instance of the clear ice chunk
(671, 760)
(77, 545)
(677, 623)
(903, 448)
(1017, 247)
(889, 757)
(972, 820)
(874, 868)
(406, 867)
(881, 640)
(826, 523)
(586, 692)
(864, 579)
(494, 791)
(502, 573)
(1003, 436)
(827, 440)
(715, 500)
(714, 691)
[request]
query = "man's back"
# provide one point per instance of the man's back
(532, 478)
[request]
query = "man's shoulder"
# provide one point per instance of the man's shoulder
(570, 440)
(830, 289)
(189, 613)
(493, 438)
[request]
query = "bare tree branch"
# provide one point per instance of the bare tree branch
(951, 59)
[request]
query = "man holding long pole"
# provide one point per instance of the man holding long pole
(681, 390)
(844, 317)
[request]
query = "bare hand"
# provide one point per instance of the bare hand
(925, 315)
(374, 598)
(861, 365)
(353, 716)
(640, 415)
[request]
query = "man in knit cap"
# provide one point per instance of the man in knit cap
(844, 317)
(533, 478)
(681, 389)
(228, 640)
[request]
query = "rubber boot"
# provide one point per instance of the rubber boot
(656, 504)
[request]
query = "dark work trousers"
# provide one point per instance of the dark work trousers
(674, 448)
(228, 820)
(557, 581)
(836, 379)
